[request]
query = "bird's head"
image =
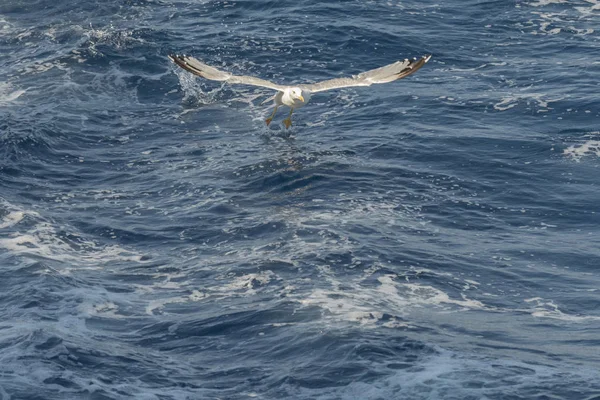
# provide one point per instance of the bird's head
(297, 93)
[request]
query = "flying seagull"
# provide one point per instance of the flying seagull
(298, 96)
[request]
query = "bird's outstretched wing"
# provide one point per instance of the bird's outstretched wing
(206, 71)
(388, 73)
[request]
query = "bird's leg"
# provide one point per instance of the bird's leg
(288, 120)
(268, 120)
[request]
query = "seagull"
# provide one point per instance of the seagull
(298, 96)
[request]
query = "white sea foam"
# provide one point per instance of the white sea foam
(552, 22)
(109, 35)
(590, 11)
(41, 238)
(578, 151)
(237, 286)
(12, 218)
(376, 209)
(366, 304)
(156, 306)
(8, 94)
(543, 308)
(247, 283)
(43, 66)
(193, 87)
(390, 300)
(544, 28)
(542, 3)
(538, 100)
(6, 28)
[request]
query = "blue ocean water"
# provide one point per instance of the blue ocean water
(432, 238)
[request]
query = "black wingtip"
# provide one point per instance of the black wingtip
(413, 66)
(176, 58)
(179, 59)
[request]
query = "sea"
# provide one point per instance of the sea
(436, 237)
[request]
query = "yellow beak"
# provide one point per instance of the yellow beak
(301, 98)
